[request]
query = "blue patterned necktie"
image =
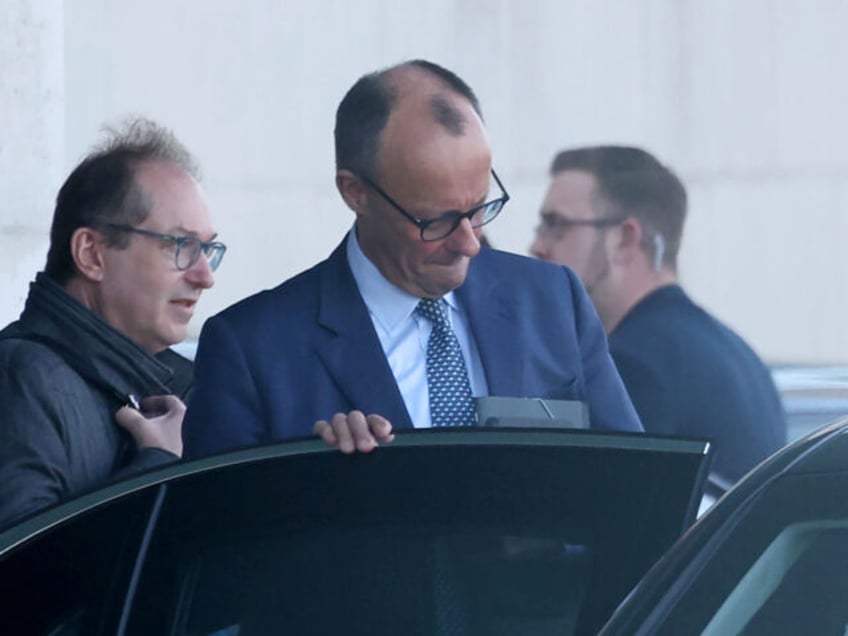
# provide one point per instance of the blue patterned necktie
(451, 402)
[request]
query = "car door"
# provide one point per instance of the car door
(441, 532)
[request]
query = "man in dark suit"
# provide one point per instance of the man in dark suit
(89, 389)
(352, 336)
(615, 214)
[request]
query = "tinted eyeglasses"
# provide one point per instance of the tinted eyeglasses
(556, 225)
(187, 248)
(442, 226)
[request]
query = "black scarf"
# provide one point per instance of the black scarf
(102, 355)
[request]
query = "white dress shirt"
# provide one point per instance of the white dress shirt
(404, 334)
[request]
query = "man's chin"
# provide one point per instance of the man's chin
(446, 282)
(175, 335)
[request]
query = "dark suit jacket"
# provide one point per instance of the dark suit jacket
(690, 375)
(272, 365)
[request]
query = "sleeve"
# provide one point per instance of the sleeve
(145, 459)
(33, 461)
(225, 409)
(610, 407)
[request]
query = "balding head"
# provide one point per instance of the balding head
(429, 126)
(435, 92)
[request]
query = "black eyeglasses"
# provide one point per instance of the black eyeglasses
(444, 225)
(188, 248)
(556, 225)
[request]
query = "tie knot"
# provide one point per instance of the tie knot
(433, 310)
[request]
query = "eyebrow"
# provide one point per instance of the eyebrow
(179, 229)
(478, 203)
(556, 213)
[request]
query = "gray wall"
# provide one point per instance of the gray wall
(744, 99)
(32, 139)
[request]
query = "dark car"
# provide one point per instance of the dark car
(771, 557)
(471, 531)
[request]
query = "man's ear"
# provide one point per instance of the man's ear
(352, 190)
(87, 252)
(628, 241)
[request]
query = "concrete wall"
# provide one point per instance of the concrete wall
(32, 141)
(743, 99)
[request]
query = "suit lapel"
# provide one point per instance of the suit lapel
(352, 352)
(492, 316)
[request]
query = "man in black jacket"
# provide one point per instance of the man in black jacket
(615, 215)
(89, 390)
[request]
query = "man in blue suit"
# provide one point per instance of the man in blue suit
(349, 337)
(615, 214)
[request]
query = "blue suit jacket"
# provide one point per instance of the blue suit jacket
(270, 366)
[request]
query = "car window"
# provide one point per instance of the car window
(348, 568)
(70, 580)
(782, 569)
(384, 580)
(433, 539)
(800, 579)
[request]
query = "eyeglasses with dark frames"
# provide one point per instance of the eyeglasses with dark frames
(444, 225)
(556, 224)
(188, 248)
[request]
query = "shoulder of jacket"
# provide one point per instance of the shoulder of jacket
(30, 357)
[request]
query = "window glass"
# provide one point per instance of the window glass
(382, 580)
(413, 540)
(784, 565)
(71, 580)
(799, 584)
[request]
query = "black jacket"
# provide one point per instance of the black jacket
(63, 374)
(690, 375)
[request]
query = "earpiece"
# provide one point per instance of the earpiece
(659, 251)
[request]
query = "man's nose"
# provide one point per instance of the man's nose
(464, 239)
(539, 248)
(200, 273)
